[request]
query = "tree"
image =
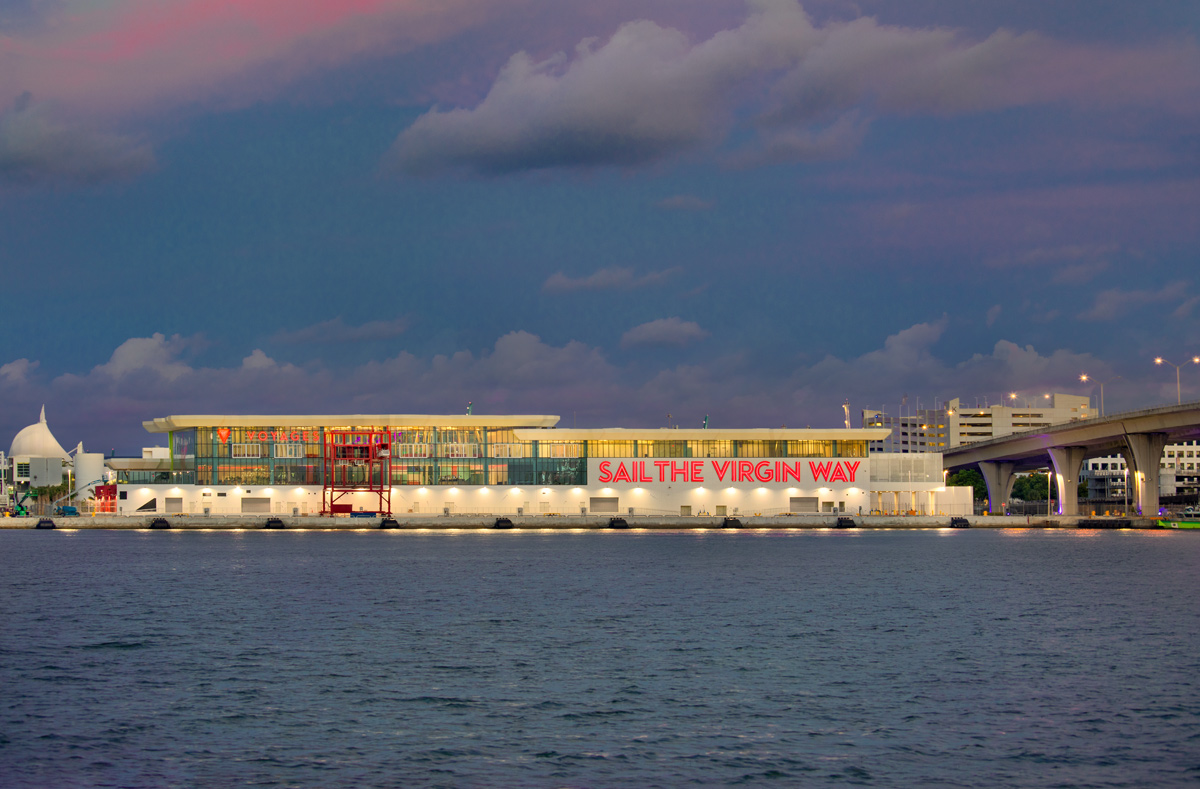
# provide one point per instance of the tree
(1031, 487)
(969, 478)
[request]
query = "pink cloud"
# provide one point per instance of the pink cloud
(126, 54)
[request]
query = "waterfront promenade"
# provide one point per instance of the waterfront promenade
(574, 522)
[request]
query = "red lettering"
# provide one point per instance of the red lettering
(679, 470)
(262, 435)
(792, 470)
(820, 470)
(605, 474)
(745, 471)
(641, 472)
(722, 469)
(853, 469)
(222, 434)
(622, 474)
(295, 435)
(838, 474)
(760, 475)
(697, 471)
(661, 465)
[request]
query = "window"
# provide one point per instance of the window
(23, 470)
(507, 451)
(246, 451)
(289, 450)
(411, 450)
(561, 450)
(460, 450)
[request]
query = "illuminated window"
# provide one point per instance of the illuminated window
(507, 450)
(411, 450)
(246, 451)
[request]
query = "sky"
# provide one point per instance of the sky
(629, 214)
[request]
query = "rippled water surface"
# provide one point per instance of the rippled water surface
(346, 659)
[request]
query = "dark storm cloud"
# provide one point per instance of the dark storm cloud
(35, 148)
(648, 93)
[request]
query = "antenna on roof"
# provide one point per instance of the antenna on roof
(705, 422)
(470, 407)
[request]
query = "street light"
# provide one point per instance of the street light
(1085, 378)
(1193, 360)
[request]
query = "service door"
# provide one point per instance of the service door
(256, 504)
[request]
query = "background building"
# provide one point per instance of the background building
(1179, 475)
(953, 424)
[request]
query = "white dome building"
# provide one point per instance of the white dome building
(36, 441)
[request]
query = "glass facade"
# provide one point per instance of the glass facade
(424, 456)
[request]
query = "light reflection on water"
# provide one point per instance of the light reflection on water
(570, 658)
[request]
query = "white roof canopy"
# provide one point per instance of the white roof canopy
(37, 441)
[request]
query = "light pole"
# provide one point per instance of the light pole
(1194, 360)
(1013, 396)
(1049, 498)
(1085, 378)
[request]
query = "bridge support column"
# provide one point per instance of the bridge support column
(1067, 463)
(1147, 449)
(999, 479)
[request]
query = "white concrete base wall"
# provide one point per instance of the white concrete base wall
(656, 499)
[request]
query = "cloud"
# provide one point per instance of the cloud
(1116, 302)
(685, 203)
(617, 278)
(17, 372)
(125, 55)
(645, 94)
(802, 92)
(156, 355)
(335, 331)
(1062, 253)
(35, 148)
(521, 374)
(993, 313)
(665, 331)
(902, 71)
(837, 140)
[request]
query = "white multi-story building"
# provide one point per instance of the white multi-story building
(1178, 473)
(524, 465)
(954, 424)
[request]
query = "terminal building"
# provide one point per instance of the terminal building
(523, 465)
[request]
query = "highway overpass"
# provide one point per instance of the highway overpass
(1138, 436)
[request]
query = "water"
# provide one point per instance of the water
(501, 659)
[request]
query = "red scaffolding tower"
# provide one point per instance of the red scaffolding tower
(357, 462)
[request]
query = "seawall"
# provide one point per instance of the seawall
(567, 523)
